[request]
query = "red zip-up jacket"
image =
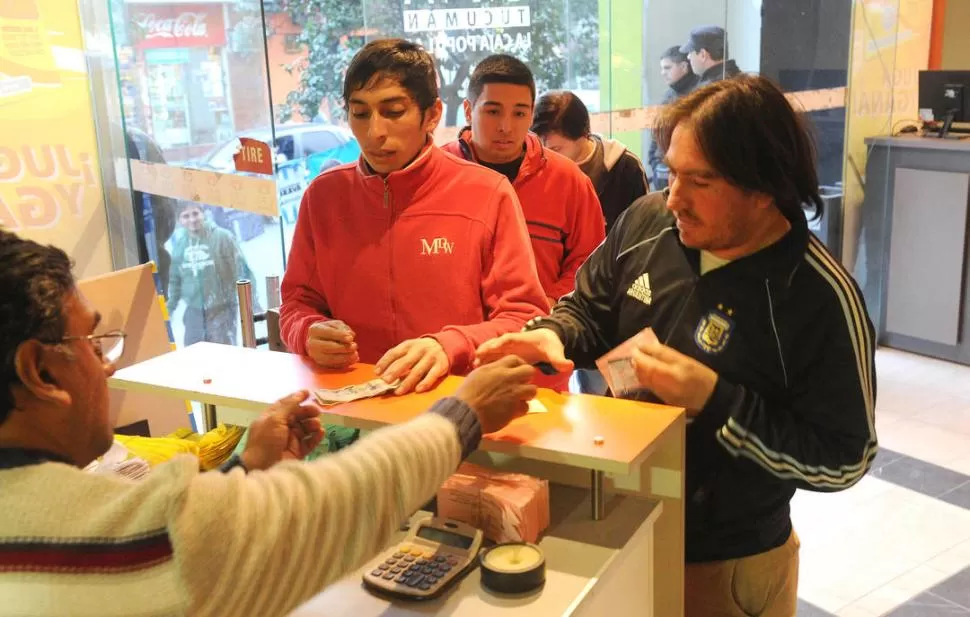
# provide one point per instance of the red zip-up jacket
(437, 249)
(561, 210)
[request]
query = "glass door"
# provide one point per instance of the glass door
(193, 81)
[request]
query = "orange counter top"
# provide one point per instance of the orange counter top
(251, 379)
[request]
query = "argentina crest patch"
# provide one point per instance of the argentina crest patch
(714, 330)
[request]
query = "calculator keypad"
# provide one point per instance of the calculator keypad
(415, 569)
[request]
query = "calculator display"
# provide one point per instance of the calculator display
(445, 537)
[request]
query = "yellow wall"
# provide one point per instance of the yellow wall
(50, 187)
(890, 45)
(956, 40)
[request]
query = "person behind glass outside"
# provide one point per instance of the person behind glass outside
(680, 79)
(207, 261)
(255, 541)
(561, 121)
(707, 52)
(409, 258)
(764, 338)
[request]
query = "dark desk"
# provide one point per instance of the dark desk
(914, 230)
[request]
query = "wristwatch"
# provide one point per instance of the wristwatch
(234, 461)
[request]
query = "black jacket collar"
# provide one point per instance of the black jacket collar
(722, 70)
(777, 262)
(685, 84)
(11, 458)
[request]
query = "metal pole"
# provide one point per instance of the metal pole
(244, 289)
(597, 494)
(273, 299)
(209, 420)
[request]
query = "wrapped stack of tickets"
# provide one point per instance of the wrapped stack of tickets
(118, 460)
(507, 507)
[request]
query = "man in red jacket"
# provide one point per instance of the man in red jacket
(409, 244)
(561, 209)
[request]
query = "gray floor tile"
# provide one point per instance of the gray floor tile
(928, 604)
(956, 589)
(806, 609)
(885, 456)
(920, 476)
(960, 496)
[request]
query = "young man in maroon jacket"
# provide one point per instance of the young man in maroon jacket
(561, 208)
(410, 258)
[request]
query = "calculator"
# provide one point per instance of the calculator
(436, 554)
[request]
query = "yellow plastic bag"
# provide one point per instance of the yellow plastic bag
(156, 450)
(216, 446)
(212, 449)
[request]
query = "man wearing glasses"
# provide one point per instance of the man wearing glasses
(179, 542)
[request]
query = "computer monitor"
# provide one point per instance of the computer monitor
(944, 96)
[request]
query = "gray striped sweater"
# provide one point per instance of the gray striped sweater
(182, 542)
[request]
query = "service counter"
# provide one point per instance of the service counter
(615, 545)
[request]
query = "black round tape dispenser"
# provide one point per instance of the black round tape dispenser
(513, 568)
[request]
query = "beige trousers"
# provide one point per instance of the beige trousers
(762, 585)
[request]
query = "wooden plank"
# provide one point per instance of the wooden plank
(229, 190)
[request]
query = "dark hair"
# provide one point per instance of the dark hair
(751, 135)
(711, 38)
(34, 279)
(562, 112)
(405, 62)
(500, 69)
(674, 54)
(716, 49)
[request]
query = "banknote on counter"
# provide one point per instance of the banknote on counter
(374, 387)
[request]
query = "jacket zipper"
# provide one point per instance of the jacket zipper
(680, 312)
(774, 329)
(390, 257)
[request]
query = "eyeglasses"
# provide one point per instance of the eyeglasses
(109, 346)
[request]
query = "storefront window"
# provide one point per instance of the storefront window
(175, 73)
(195, 77)
(192, 80)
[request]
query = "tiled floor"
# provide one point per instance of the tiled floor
(897, 543)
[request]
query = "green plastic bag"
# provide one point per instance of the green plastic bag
(337, 438)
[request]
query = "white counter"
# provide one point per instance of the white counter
(593, 569)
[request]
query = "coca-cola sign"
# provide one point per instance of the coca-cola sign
(179, 25)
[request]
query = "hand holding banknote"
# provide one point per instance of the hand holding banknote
(617, 364)
(535, 347)
(675, 378)
(331, 344)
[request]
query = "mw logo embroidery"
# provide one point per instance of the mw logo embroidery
(436, 246)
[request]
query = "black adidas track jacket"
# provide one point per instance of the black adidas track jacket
(787, 332)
